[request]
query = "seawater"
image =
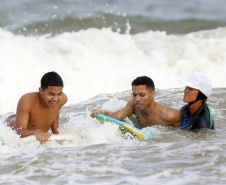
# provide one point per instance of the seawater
(101, 154)
(98, 48)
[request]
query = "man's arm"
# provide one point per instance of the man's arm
(119, 115)
(55, 126)
(22, 118)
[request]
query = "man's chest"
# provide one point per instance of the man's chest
(39, 119)
(147, 120)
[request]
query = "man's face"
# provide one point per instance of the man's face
(142, 96)
(52, 95)
(190, 94)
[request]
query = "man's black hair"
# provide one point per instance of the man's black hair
(51, 79)
(144, 80)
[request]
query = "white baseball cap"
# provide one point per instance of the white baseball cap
(200, 82)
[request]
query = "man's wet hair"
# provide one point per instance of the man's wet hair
(144, 80)
(51, 79)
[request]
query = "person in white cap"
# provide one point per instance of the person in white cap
(196, 113)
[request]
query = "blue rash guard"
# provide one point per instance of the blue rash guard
(203, 120)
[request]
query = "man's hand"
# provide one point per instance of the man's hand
(42, 136)
(97, 111)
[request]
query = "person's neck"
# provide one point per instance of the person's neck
(42, 103)
(195, 106)
(149, 110)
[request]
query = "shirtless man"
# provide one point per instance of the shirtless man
(147, 111)
(37, 112)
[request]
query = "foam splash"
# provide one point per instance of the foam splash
(96, 61)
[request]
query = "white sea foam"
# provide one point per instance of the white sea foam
(98, 61)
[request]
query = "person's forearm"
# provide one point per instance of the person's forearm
(116, 115)
(55, 127)
(55, 131)
(109, 114)
(24, 132)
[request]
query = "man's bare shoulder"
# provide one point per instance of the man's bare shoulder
(27, 101)
(63, 100)
(30, 97)
(169, 113)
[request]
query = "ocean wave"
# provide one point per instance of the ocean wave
(118, 23)
(95, 61)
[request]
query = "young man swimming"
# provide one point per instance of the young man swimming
(147, 111)
(37, 112)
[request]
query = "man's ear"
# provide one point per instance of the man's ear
(40, 90)
(153, 93)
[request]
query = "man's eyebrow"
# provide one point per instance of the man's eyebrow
(55, 93)
(139, 93)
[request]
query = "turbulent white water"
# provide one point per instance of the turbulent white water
(97, 61)
(101, 154)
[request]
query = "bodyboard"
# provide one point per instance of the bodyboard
(123, 126)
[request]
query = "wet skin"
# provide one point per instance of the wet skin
(147, 111)
(38, 112)
(190, 95)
